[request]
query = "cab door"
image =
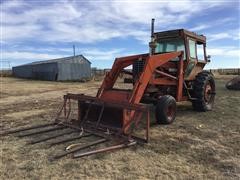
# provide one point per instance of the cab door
(192, 57)
(197, 58)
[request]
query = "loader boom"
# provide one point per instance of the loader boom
(152, 62)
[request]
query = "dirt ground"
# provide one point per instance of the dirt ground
(196, 146)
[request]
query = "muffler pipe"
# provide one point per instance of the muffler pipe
(152, 29)
(152, 44)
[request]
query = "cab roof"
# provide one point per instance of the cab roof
(179, 33)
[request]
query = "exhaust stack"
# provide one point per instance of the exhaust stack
(152, 29)
(152, 44)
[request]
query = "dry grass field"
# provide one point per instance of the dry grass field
(196, 146)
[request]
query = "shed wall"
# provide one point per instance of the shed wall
(22, 71)
(45, 71)
(71, 68)
(73, 71)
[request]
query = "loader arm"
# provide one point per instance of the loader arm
(119, 64)
(106, 92)
(152, 63)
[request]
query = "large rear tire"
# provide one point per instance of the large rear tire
(203, 92)
(166, 110)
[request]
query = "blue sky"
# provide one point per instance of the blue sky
(103, 30)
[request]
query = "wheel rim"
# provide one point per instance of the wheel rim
(170, 112)
(209, 93)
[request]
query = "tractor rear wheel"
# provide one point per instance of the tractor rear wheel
(166, 110)
(203, 92)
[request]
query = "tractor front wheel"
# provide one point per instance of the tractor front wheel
(203, 92)
(166, 110)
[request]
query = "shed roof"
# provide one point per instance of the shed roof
(59, 60)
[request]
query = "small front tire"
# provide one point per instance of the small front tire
(166, 110)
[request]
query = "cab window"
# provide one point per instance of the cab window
(192, 48)
(170, 45)
(200, 52)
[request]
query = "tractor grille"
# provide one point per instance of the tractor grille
(138, 67)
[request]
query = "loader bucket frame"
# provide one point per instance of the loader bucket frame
(94, 111)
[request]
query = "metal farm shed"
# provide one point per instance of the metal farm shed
(67, 68)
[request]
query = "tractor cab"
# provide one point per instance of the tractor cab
(192, 45)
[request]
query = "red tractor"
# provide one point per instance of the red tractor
(171, 72)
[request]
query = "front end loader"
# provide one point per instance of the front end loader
(171, 72)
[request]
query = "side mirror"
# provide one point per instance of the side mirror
(208, 58)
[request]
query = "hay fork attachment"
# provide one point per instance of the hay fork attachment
(90, 125)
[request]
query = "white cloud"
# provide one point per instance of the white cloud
(12, 32)
(100, 54)
(230, 34)
(9, 5)
(228, 51)
(214, 23)
(218, 36)
(90, 53)
(31, 13)
(17, 55)
(95, 21)
(46, 49)
(91, 22)
(200, 27)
